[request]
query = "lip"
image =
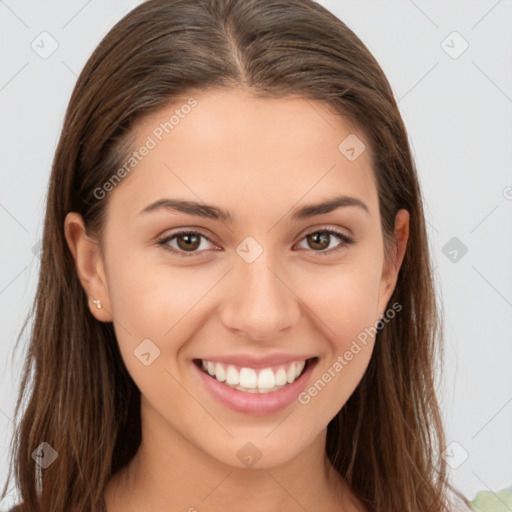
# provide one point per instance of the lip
(256, 403)
(251, 361)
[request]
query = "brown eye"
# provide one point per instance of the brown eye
(320, 240)
(187, 243)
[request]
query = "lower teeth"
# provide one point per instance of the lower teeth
(252, 390)
(249, 390)
(256, 390)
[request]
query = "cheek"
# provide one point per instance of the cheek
(148, 297)
(152, 301)
(150, 305)
(346, 306)
(343, 297)
(344, 301)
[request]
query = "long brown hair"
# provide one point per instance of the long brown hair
(387, 441)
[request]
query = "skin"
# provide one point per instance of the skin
(259, 159)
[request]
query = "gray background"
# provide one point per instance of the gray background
(457, 106)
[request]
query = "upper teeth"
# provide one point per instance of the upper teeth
(247, 379)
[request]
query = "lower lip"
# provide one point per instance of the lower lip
(256, 403)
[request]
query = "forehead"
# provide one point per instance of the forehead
(228, 145)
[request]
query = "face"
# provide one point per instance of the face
(258, 284)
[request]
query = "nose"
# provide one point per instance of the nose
(259, 302)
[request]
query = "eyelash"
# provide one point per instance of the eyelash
(341, 236)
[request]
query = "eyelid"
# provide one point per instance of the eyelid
(164, 239)
(344, 238)
(327, 227)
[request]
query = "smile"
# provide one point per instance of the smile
(260, 389)
(250, 380)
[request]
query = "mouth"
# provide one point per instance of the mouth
(255, 380)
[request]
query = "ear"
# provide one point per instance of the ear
(391, 267)
(89, 265)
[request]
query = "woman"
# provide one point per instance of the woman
(235, 306)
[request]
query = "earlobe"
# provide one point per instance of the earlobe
(392, 268)
(89, 266)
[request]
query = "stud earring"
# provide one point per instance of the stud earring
(97, 302)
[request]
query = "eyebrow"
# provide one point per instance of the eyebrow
(219, 214)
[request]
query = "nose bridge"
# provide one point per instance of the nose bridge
(259, 303)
